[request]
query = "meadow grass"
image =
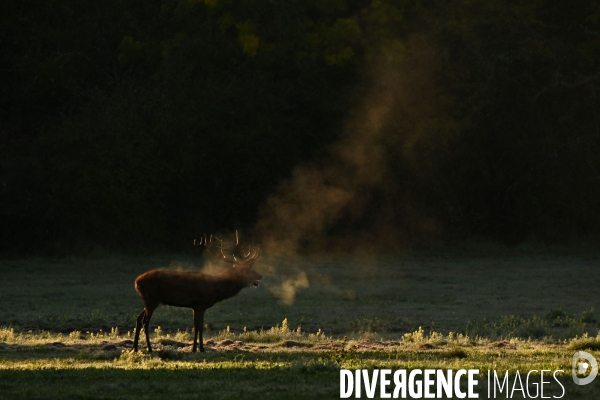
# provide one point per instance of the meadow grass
(68, 325)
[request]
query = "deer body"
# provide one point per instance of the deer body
(189, 289)
(196, 290)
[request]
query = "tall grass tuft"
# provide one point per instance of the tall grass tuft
(7, 334)
(438, 339)
(274, 335)
(556, 323)
(585, 342)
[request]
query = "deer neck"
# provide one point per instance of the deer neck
(228, 284)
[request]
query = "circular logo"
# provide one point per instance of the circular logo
(581, 367)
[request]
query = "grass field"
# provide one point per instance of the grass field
(67, 325)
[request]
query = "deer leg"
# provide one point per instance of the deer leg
(138, 326)
(198, 319)
(147, 317)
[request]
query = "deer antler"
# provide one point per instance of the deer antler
(241, 259)
(251, 255)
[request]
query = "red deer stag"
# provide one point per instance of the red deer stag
(195, 290)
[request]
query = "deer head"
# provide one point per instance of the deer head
(241, 258)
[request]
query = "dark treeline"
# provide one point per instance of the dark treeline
(136, 125)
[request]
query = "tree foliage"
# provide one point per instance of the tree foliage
(137, 124)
